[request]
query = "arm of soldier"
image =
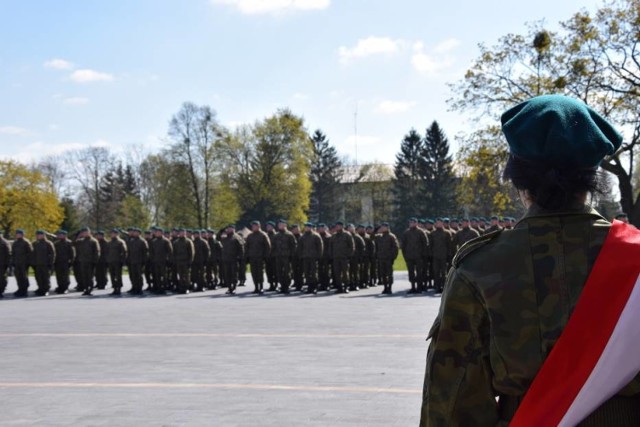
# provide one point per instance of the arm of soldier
(394, 253)
(457, 387)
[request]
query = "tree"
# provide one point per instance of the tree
(194, 130)
(408, 184)
(268, 166)
(27, 200)
(326, 172)
(481, 190)
(436, 170)
(595, 58)
(87, 168)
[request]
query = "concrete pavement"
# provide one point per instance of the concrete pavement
(208, 359)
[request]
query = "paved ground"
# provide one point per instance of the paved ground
(214, 360)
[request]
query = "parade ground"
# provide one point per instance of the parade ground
(209, 359)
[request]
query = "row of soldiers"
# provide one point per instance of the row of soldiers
(318, 257)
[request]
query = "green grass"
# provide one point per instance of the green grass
(400, 264)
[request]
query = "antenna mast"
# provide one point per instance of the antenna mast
(355, 128)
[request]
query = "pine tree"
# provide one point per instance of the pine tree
(326, 171)
(408, 183)
(436, 169)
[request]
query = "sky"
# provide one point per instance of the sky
(78, 73)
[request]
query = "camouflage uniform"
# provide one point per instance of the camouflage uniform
(387, 252)
(42, 260)
(324, 266)
(270, 264)
(200, 258)
(284, 247)
(116, 258)
(21, 255)
(441, 251)
(65, 257)
(232, 251)
(5, 260)
(257, 249)
(464, 235)
(183, 253)
(160, 255)
(498, 322)
(355, 261)
(415, 246)
(88, 253)
(341, 247)
(310, 250)
(138, 250)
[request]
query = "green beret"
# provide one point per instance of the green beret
(446, 219)
(308, 224)
(475, 218)
(495, 218)
(19, 231)
(340, 223)
(361, 226)
(115, 230)
(271, 223)
(559, 131)
(83, 229)
(231, 226)
(294, 225)
(439, 219)
(369, 227)
(282, 221)
(465, 219)
(39, 231)
(64, 232)
(413, 219)
(322, 224)
(621, 215)
(255, 222)
(430, 221)
(100, 232)
(195, 232)
(384, 224)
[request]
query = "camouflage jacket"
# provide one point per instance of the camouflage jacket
(499, 320)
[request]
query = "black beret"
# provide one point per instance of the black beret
(558, 131)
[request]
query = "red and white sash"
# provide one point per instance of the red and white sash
(598, 352)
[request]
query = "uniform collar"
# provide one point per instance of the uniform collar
(536, 211)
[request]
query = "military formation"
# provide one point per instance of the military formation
(314, 258)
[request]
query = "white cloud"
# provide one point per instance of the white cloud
(40, 149)
(257, 7)
(75, 100)
(58, 64)
(447, 45)
(88, 76)
(299, 96)
(370, 46)
(14, 131)
(394, 107)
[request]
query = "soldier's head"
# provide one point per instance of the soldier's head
(84, 232)
(131, 231)
(429, 224)
(338, 226)
(19, 233)
(182, 232)
(196, 234)
(360, 229)
(623, 217)
(295, 229)
(439, 223)
(189, 233)
(147, 234)
(474, 222)
(322, 227)
(465, 222)
(454, 223)
(308, 227)
(495, 220)
(384, 227)
(447, 222)
(114, 233)
(370, 229)
(99, 234)
(282, 225)
(159, 232)
(482, 223)
(174, 232)
(271, 226)
(413, 222)
(231, 228)
(351, 228)
(61, 234)
(40, 235)
(557, 144)
(255, 225)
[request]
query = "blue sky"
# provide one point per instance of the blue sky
(112, 72)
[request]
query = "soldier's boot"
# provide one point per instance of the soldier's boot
(413, 288)
(260, 289)
(256, 289)
(389, 292)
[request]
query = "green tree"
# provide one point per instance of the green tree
(593, 57)
(436, 170)
(481, 190)
(27, 200)
(408, 185)
(268, 166)
(326, 173)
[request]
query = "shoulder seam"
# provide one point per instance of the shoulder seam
(472, 245)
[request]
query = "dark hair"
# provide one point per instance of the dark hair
(549, 187)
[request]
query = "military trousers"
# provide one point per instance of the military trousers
(297, 269)
(21, 273)
(148, 273)
(230, 273)
(270, 268)
(242, 270)
(76, 276)
(324, 273)
(43, 277)
(257, 270)
(354, 271)
(341, 272)
(115, 273)
(183, 276)
(283, 272)
(373, 271)
(212, 272)
(197, 275)
(135, 275)
(159, 276)
(439, 272)
(87, 272)
(3, 277)
(363, 269)
(416, 270)
(310, 271)
(62, 276)
(385, 271)
(101, 275)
